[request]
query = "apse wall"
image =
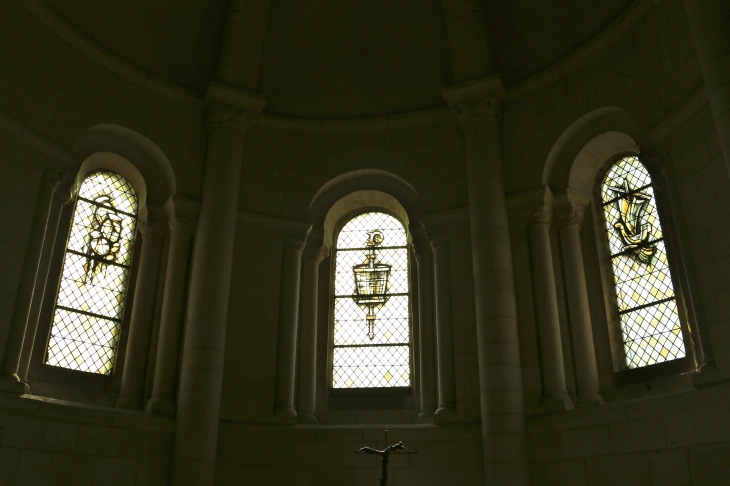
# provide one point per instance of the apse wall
(660, 430)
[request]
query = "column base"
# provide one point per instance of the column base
(160, 405)
(128, 403)
(588, 400)
(285, 411)
(556, 403)
(445, 409)
(12, 384)
(425, 417)
(307, 419)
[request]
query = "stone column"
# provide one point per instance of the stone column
(548, 321)
(314, 252)
(182, 225)
(478, 108)
(570, 217)
(286, 344)
(143, 310)
(61, 197)
(199, 395)
(9, 380)
(709, 21)
(426, 328)
(444, 327)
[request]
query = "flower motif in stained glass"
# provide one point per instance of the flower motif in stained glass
(88, 313)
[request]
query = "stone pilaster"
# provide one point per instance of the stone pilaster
(9, 380)
(181, 216)
(314, 252)
(152, 231)
(570, 218)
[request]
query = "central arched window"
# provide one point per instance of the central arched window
(88, 312)
(647, 303)
(371, 338)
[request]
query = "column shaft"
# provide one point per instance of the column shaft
(709, 21)
(500, 379)
(427, 328)
(307, 356)
(199, 395)
(548, 321)
(578, 309)
(168, 344)
(286, 345)
(143, 309)
(444, 326)
(61, 196)
(9, 380)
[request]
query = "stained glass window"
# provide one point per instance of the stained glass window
(88, 312)
(647, 303)
(372, 320)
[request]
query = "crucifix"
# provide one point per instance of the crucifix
(398, 448)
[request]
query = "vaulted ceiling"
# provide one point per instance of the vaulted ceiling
(338, 58)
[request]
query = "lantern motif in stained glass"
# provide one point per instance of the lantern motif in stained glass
(371, 281)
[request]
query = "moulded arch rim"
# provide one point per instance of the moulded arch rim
(364, 179)
(148, 169)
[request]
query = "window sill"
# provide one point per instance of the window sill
(369, 392)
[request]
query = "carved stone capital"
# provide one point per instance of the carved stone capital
(569, 215)
(421, 241)
(439, 240)
(182, 223)
(314, 248)
(152, 226)
(222, 114)
(294, 243)
(487, 107)
(540, 216)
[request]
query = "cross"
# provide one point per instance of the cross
(398, 448)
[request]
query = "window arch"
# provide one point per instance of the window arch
(646, 300)
(96, 265)
(371, 335)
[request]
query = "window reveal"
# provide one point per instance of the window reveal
(88, 312)
(647, 303)
(371, 308)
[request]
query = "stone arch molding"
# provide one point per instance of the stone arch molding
(586, 145)
(131, 155)
(618, 103)
(363, 188)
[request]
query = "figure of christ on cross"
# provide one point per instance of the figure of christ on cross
(385, 454)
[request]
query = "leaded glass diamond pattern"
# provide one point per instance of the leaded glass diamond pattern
(384, 361)
(646, 301)
(86, 322)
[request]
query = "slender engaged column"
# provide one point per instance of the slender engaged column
(548, 321)
(312, 255)
(286, 344)
(199, 395)
(143, 309)
(426, 328)
(570, 217)
(61, 197)
(444, 326)
(709, 21)
(162, 400)
(9, 380)
(478, 108)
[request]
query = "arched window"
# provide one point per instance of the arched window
(88, 312)
(647, 304)
(371, 338)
